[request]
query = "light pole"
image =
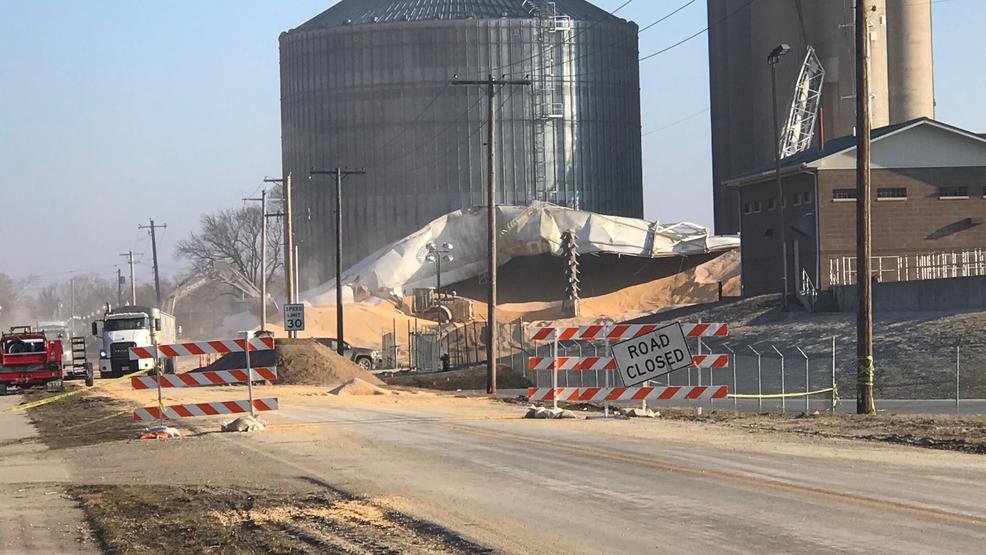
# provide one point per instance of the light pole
(772, 59)
(436, 255)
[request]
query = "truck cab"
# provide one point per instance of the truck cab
(131, 326)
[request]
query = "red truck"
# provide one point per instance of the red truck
(28, 358)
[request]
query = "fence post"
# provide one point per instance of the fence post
(783, 390)
(246, 352)
(554, 372)
(759, 379)
(834, 401)
(732, 357)
(958, 365)
(807, 379)
(606, 373)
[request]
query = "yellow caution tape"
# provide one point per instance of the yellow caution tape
(60, 396)
(781, 395)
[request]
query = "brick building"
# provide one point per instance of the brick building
(929, 192)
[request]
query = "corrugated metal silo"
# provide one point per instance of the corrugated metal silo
(366, 84)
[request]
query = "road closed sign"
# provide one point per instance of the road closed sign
(655, 354)
(294, 317)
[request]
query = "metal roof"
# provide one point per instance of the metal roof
(354, 12)
(839, 145)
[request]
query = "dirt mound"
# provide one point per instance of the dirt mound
(357, 386)
(299, 362)
(365, 323)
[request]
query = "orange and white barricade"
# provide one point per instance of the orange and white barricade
(621, 332)
(617, 394)
(607, 364)
(246, 376)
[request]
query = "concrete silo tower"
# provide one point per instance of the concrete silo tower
(741, 35)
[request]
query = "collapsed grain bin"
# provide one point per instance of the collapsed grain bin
(367, 84)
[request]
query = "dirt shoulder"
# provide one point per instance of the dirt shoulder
(199, 507)
(966, 434)
(88, 418)
(232, 520)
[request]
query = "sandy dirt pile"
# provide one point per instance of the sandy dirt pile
(300, 362)
(365, 324)
(694, 285)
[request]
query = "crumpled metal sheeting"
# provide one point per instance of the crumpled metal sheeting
(395, 270)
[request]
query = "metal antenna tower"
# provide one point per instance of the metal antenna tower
(800, 127)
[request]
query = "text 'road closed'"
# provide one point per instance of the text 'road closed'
(652, 355)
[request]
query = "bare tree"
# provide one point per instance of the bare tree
(232, 237)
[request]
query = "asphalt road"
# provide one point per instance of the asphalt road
(636, 487)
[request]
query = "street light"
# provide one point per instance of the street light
(436, 255)
(772, 59)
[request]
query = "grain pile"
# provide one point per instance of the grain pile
(299, 362)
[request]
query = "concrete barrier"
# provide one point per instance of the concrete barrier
(967, 293)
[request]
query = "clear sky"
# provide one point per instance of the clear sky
(116, 111)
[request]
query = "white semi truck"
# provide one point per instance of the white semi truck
(133, 326)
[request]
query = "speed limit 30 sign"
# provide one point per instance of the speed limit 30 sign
(294, 317)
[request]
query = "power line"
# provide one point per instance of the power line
(683, 41)
(666, 16)
(676, 122)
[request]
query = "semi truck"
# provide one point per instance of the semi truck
(132, 326)
(28, 358)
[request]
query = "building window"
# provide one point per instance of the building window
(757, 207)
(796, 198)
(891, 193)
(746, 208)
(806, 198)
(771, 204)
(843, 195)
(953, 192)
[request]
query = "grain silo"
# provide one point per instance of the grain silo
(366, 84)
(741, 34)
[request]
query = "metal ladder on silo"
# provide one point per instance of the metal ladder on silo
(548, 104)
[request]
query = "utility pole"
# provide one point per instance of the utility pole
(133, 281)
(288, 234)
(71, 326)
(289, 252)
(339, 173)
(263, 256)
(491, 84)
(864, 246)
(119, 287)
(157, 273)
